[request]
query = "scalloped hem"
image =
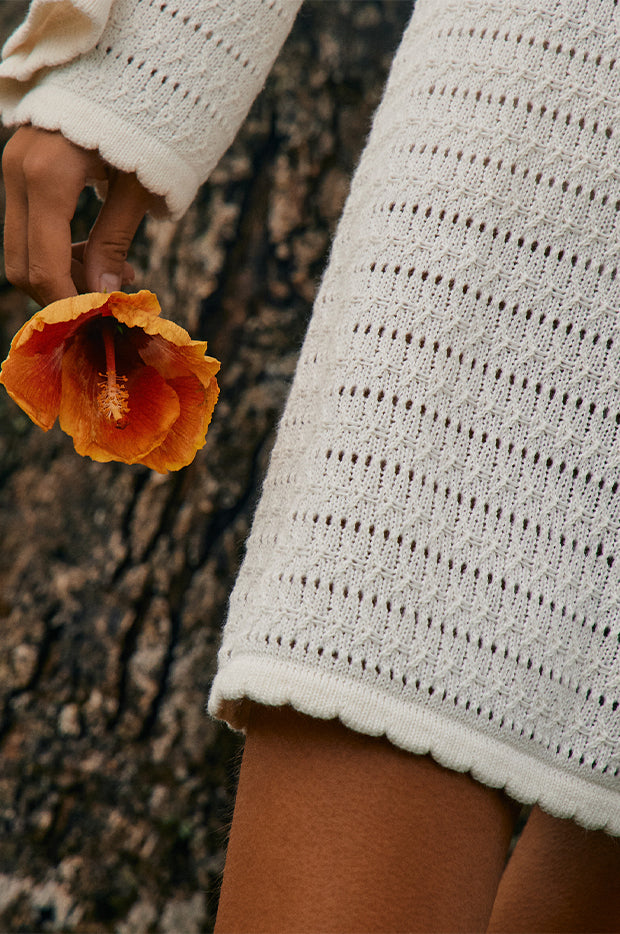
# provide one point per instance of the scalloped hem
(92, 127)
(418, 730)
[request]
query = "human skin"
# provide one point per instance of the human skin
(335, 831)
(559, 878)
(44, 174)
(338, 831)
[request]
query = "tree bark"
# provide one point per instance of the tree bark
(116, 788)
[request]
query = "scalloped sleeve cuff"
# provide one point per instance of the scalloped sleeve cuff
(164, 90)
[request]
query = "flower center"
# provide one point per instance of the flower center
(112, 397)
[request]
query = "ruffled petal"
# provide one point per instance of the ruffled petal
(31, 372)
(34, 381)
(127, 384)
(56, 322)
(141, 313)
(153, 407)
(173, 360)
(188, 434)
(128, 307)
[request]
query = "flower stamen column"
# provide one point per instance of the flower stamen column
(66, 361)
(112, 396)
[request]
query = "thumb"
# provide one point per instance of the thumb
(106, 251)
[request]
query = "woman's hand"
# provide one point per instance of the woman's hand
(44, 175)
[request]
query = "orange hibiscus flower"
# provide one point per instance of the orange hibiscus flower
(125, 384)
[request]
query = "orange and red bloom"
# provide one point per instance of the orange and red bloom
(124, 383)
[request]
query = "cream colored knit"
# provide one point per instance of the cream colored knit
(434, 554)
(164, 90)
(53, 33)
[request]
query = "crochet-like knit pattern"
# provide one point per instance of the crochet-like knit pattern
(162, 93)
(434, 554)
(52, 34)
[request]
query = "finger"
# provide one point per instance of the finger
(128, 274)
(55, 175)
(77, 251)
(78, 272)
(78, 275)
(110, 239)
(16, 213)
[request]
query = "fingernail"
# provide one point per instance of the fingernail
(108, 282)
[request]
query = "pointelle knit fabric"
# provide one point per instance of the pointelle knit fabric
(53, 33)
(434, 554)
(159, 87)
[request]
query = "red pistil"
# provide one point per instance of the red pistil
(112, 396)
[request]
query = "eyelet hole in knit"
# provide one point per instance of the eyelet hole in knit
(456, 514)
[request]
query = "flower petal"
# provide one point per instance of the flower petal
(64, 362)
(141, 314)
(31, 371)
(173, 360)
(64, 313)
(187, 435)
(153, 405)
(128, 304)
(34, 383)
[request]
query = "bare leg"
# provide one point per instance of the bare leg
(559, 878)
(337, 832)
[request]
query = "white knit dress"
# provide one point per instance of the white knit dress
(434, 554)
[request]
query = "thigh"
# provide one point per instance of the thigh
(338, 831)
(559, 878)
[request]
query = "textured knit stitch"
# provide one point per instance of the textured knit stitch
(54, 32)
(164, 90)
(434, 554)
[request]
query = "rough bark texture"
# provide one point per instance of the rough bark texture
(115, 787)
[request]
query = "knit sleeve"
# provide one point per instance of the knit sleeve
(161, 92)
(54, 32)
